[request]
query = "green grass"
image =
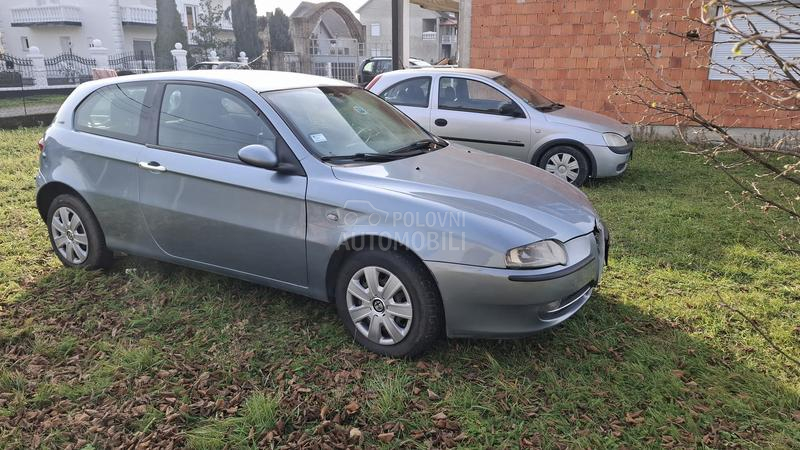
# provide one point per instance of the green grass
(32, 100)
(152, 352)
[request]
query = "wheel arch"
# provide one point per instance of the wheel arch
(355, 244)
(49, 192)
(537, 155)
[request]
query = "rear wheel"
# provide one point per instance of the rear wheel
(389, 302)
(567, 163)
(75, 234)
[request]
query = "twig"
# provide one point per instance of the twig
(758, 330)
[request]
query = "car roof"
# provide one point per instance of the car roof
(439, 70)
(258, 80)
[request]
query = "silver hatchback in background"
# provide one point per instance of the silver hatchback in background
(495, 113)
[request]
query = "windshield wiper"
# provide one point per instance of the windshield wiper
(551, 107)
(415, 148)
(361, 157)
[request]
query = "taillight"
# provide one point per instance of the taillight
(374, 80)
(41, 144)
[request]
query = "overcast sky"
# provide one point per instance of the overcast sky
(289, 5)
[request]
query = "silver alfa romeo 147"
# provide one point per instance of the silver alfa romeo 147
(322, 189)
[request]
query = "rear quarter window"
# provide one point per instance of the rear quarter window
(114, 111)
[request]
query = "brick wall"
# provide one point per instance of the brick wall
(571, 51)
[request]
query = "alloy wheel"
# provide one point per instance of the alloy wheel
(563, 165)
(69, 235)
(379, 305)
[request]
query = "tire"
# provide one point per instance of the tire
(560, 159)
(88, 243)
(418, 289)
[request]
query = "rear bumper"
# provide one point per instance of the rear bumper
(505, 303)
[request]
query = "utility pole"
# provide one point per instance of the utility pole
(399, 34)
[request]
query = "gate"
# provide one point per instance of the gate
(68, 68)
(15, 72)
(337, 58)
(129, 61)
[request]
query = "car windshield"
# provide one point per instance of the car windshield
(337, 123)
(527, 94)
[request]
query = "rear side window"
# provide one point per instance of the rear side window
(210, 121)
(411, 92)
(114, 111)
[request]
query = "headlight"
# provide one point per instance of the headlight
(614, 140)
(537, 255)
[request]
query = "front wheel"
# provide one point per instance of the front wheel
(567, 163)
(75, 234)
(389, 302)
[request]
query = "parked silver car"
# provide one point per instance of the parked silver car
(319, 188)
(493, 112)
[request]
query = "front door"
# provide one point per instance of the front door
(202, 204)
(468, 112)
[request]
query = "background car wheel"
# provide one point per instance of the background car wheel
(567, 163)
(75, 235)
(389, 302)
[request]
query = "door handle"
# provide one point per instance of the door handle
(152, 165)
(440, 122)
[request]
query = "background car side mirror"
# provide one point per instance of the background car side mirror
(259, 156)
(511, 109)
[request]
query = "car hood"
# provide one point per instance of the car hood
(486, 185)
(582, 118)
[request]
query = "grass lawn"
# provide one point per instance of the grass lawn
(33, 100)
(149, 352)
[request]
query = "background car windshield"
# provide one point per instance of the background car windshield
(339, 121)
(524, 92)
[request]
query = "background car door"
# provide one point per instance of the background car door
(412, 96)
(468, 112)
(202, 204)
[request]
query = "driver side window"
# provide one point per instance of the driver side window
(210, 121)
(461, 94)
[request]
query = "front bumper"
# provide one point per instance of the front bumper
(610, 162)
(503, 303)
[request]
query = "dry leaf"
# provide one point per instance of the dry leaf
(386, 437)
(352, 407)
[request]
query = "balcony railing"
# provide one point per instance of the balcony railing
(428, 35)
(449, 39)
(226, 24)
(138, 15)
(45, 15)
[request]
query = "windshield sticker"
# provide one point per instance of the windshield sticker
(360, 110)
(318, 137)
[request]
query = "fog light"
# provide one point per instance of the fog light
(552, 306)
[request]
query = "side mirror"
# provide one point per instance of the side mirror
(259, 156)
(511, 109)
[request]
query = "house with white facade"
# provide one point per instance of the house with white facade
(71, 26)
(432, 34)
